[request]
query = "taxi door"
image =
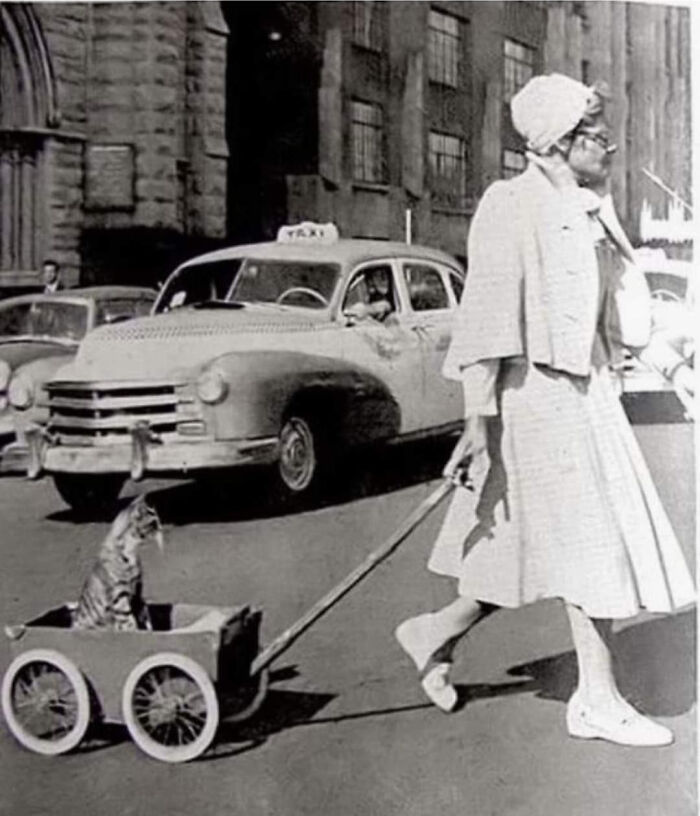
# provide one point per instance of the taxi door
(381, 340)
(432, 302)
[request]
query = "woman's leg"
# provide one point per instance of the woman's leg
(597, 709)
(592, 640)
(429, 639)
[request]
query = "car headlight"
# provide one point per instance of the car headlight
(21, 392)
(211, 386)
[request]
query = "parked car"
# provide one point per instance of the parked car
(38, 334)
(264, 354)
(671, 284)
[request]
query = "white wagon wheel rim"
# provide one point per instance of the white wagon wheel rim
(46, 702)
(297, 462)
(170, 707)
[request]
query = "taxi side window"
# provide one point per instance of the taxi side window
(426, 289)
(371, 285)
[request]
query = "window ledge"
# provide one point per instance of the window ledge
(443, 209)
(368, 49)
(440, 83)
(371, 186)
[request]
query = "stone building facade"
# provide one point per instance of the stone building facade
(112, 143)
(133, 135)
(384, 112)
(403, 117)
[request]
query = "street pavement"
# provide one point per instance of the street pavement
(345, 729)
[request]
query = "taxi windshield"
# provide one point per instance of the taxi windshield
(198, 284)
(303, 284)
(62, 321)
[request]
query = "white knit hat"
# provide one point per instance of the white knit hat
(547, 108)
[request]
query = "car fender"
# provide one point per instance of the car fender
(264, 386)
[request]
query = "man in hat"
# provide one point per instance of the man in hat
(565, 507)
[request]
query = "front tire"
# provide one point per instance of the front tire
(89, 493)
(298, 460)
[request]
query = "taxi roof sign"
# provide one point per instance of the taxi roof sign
(308, 232)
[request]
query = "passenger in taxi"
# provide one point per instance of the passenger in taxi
(373, 295)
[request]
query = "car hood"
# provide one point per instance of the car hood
(20, 352)
(172, 345)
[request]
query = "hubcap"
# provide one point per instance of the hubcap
(297, 457)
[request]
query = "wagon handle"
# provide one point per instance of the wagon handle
(284, 641)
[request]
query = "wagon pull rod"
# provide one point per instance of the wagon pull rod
(286, 639)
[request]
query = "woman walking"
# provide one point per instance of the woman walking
(567, 508)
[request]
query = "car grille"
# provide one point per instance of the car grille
(94, 413)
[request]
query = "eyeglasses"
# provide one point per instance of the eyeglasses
(601, 141)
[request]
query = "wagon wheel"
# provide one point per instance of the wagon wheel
(46, 702)
(243, 701)
(170, 707)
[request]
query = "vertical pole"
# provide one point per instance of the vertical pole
(409, 226)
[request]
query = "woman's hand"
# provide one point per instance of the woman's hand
(471, 443)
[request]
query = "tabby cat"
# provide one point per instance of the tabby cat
(112, 593)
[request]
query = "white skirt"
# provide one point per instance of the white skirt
(564, 507)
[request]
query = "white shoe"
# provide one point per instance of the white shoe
(438, 688)
(631, 728)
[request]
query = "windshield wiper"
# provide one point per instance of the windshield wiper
(217, 304)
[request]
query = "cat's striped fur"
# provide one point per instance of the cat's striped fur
(112, 595)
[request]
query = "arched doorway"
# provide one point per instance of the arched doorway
(27, 110)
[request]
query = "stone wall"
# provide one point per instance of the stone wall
(138, 145)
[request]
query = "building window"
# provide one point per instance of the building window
(443, 48)
(21, 198)
(367, 142)
(513, 163)
(369, 24)
(448, 167)
(519, 66)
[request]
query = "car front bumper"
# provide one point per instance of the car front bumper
(144, 454)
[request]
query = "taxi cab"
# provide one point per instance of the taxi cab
(280, 353)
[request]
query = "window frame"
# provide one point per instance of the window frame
(511, 85)
(441, 41)
(370, 25)
(444, 190)
(361, 269)
(378, 173)
(442, 275)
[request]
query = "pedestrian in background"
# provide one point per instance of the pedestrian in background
(566, 508)
(51, 276)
